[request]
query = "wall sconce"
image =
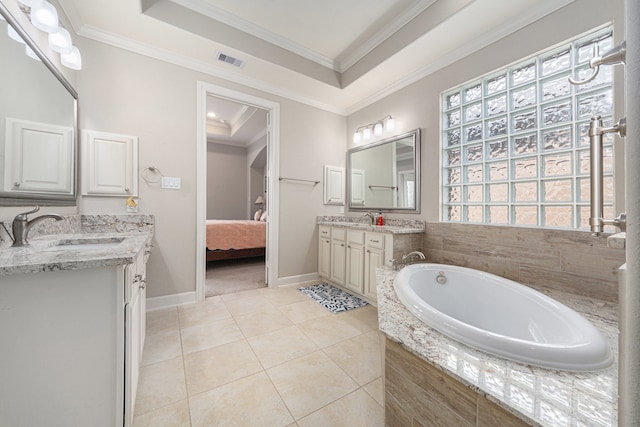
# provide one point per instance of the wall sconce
(44, 16)
(364, 132)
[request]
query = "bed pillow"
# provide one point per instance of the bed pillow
(263, 217)
(257, 215)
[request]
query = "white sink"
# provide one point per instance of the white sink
(85, 243)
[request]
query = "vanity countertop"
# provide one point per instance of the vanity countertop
(540, 397)
(46, 254)
(43, 254)
(392, 226)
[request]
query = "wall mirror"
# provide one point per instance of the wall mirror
(38, 124)
(385, 175)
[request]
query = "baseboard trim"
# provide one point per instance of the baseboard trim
(296, 280)
(166, 301)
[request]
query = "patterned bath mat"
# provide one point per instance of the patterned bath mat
(333, 299)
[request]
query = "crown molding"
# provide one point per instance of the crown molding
(384, 33)
(243, 25)
(134, 46)
(478, 43)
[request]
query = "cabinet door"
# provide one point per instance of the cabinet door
(324, 261)
(355, 267)
(38, 158)
(338, 259)
(110, 163)
(374, 258)
(333, 185)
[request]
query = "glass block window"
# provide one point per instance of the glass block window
(515, 145)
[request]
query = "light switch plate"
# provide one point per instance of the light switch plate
(170, 182)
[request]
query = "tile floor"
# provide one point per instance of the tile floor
(265, 357)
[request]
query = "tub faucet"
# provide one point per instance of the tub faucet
(413, 254)
(21, 226)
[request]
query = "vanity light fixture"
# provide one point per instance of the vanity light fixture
(31, 54)
(44, 17)
(364, 132)
(14, 35)
(72, 59)
(60, 41)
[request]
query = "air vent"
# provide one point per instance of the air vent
(230, 60)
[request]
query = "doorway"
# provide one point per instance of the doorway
(269, 178)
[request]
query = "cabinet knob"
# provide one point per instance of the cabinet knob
(127, 190)
(143, 284)
(16, 184)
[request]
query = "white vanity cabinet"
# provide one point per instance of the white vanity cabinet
(354, 255)
(71, 346)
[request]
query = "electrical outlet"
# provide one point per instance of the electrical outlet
(170, 182)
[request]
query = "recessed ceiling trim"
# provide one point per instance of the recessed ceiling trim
(380, 36)
(455, 55)
(135, 46)
(232, 20)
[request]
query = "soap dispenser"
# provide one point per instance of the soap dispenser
(380, 220)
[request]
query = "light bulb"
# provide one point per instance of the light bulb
(72, 60)
(377, 129)
(60, 41)
(390, 124)
(356, 137)
(366, 133)
(45, 17)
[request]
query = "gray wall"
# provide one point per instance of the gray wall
(226, 181)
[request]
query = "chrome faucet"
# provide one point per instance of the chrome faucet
(21, 226)
(413, 254)
(397, 265)
(372, 217)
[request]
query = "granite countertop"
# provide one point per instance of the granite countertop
(130, 234)
(540, 397)
(392, 226)
(43, 254)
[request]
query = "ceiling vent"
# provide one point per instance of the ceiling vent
(230, 60)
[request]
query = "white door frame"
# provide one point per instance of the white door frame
(273, 168)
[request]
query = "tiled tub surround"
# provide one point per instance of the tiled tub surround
(137, 230)
(467, 387)
(566, 260)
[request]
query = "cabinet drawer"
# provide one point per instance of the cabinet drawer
(356, 237)
(325, 232)
(338, 233)
(374, 240)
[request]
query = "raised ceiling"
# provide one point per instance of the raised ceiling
(333, 54)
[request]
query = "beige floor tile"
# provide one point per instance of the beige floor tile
(357, 409)
(160, 347)
(304, 311)
(248, 304)
(364, 318)
(210, 334)
(160, 384)
(376, 390)
(202, 312)
(251, 293)
(310, 382)
(328, 330)
(359, 357)
(250, 401)
(173, 415)
(261, 322)
(284, 296)
(220, 365)
(281, 346)
(160, 321)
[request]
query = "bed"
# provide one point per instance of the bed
(230, 239)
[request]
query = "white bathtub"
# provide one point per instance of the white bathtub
(502, 317)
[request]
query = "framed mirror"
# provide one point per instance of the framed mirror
(38, 124)
(385, 175)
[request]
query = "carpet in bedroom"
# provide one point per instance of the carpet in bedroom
(230, 276)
